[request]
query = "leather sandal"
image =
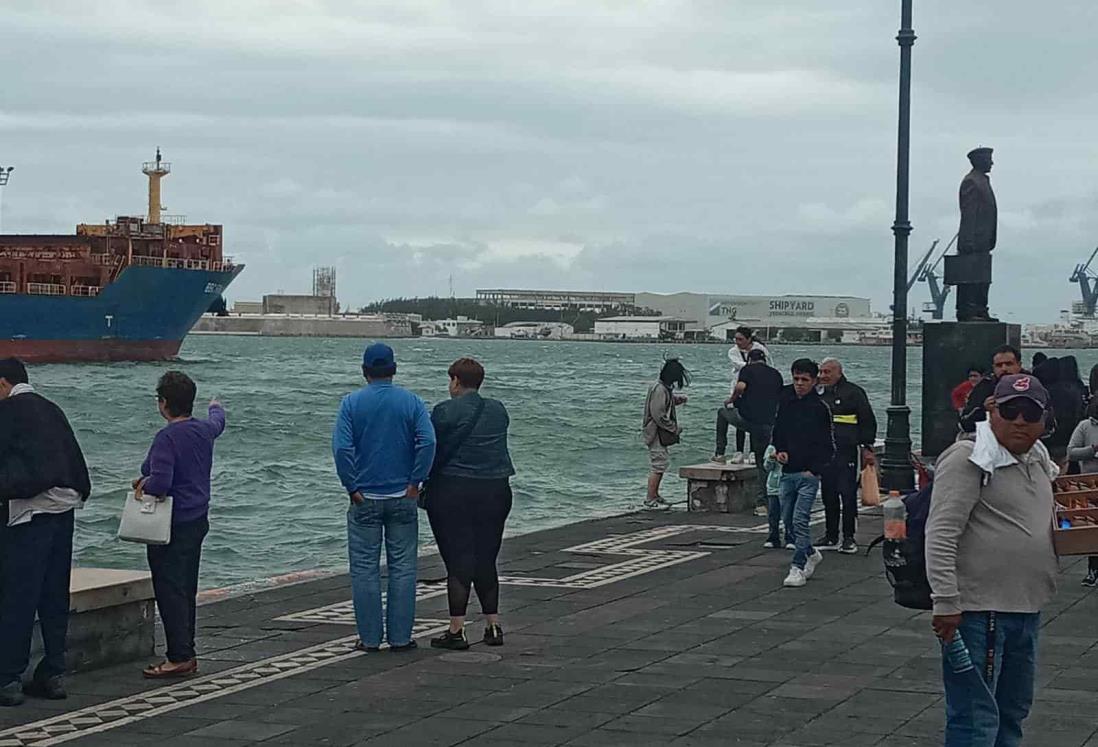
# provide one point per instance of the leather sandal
(160, 671)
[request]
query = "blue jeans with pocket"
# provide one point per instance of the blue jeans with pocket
(798, 494)
(983, 711)
(396, 521)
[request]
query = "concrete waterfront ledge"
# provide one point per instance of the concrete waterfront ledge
(723, 488)
(111, 618)
(657, 628)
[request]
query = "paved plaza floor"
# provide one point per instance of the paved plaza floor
(646, 629)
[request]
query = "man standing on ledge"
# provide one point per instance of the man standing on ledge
(383, 445)
(855, 428)
(979, 216)
(805, 446)
(991, 565)
(43, 477)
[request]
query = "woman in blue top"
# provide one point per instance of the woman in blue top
(469, 499)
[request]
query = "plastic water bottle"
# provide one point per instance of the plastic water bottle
(956, 654)
(895, 517)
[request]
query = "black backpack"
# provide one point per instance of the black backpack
(905, 560)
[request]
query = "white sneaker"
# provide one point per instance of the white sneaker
(790, 546)
(659, 504)
(813, 561)
(761, 511)
(795, 579)
(737, 458)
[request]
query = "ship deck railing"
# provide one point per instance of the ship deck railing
(84, 291)
(183, 264)
(7, 287)
(45, 289)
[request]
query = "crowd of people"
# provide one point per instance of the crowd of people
(392, 457)
(990, 564)
(809, 437)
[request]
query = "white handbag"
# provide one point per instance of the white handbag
(147, 520)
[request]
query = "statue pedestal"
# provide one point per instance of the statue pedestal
(949, 348)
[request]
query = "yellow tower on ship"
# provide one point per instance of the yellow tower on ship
(155, 170)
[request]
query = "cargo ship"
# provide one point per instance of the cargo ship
(124, 290)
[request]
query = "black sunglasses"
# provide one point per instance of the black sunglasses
(1030, 411)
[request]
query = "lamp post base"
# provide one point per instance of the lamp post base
(896, 470)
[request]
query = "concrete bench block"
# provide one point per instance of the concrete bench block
(111, 618)
(720, 488)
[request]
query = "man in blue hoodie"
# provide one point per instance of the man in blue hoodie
(383, 445)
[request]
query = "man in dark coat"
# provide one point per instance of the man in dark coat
(979, 218)
(43, 477)
(855, 429)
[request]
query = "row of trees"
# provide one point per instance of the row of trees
(434, 307)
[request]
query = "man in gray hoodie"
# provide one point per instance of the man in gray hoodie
(991, 565)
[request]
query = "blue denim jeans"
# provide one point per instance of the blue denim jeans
(798, 493)
(980, 713)
(774, 519)
(397, 521)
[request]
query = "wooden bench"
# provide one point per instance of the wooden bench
(111, 618)
(723, 488)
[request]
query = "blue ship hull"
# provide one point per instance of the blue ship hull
(144, 315)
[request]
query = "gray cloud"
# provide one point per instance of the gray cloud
(720, 146)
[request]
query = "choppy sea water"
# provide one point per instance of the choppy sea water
(277, 505)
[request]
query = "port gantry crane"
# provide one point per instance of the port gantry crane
(1085, 277)
(926, 272)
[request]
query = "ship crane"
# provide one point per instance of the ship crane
(1085, 277)
(926, 272)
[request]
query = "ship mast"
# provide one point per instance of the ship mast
(155, 170)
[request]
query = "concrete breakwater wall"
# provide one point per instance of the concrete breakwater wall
(272, 325)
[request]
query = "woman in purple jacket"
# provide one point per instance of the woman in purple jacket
(179, 464)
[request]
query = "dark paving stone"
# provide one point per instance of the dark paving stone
(710, 651)
(252, 731)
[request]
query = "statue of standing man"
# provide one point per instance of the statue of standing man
(976, 235)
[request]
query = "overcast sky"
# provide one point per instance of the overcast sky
(729, 146)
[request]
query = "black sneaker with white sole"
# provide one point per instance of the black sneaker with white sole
(1091, 580)
(493, 635)
(849, 547)
(452, 641)
(826, 544)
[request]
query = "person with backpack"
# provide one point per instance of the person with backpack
(805, 446)
(991, 565)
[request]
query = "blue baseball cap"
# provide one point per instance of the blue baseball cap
(378, 355)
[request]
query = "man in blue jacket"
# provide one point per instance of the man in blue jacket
(383, 445)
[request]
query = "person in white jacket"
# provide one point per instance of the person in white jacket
(745, 342)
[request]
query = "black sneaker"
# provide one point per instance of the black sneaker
(1091, 580)
(452, 641)
(850, 547)
(826, 544)
(11, 694)
(360, 646)
(493, 635)
(409, 646)
(49, 688)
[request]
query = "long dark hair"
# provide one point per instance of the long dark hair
(674, 374)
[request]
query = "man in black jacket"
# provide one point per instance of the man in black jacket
(43, 477)
(855, 428)
(1006, 361)
(805, 447)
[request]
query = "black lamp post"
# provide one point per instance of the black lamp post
(896, 470)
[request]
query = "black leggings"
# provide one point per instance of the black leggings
(467, 516)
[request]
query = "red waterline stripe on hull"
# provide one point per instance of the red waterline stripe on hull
(89, 351)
